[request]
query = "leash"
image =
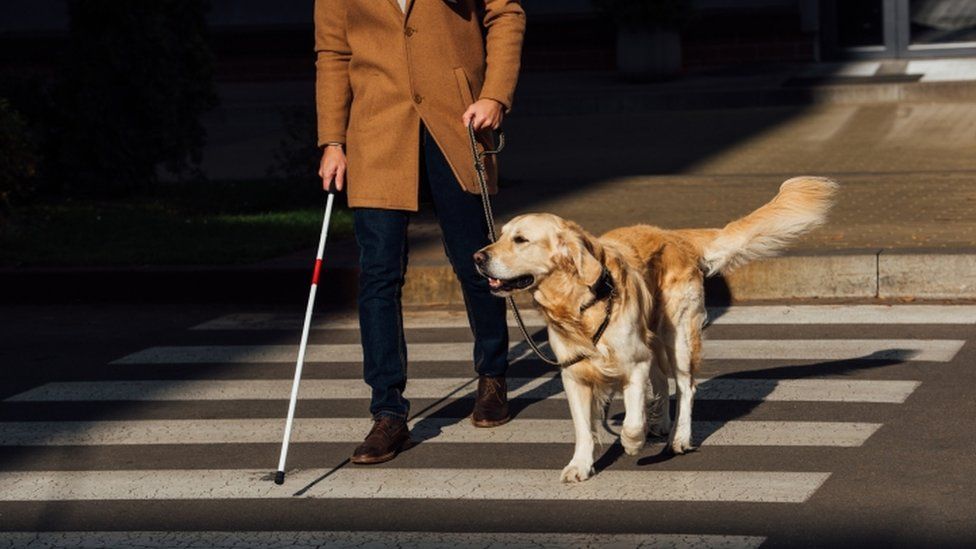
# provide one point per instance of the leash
(604, 287)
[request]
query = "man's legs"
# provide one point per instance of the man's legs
(382, 239)
(465, 231)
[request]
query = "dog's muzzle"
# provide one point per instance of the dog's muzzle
(499, 285)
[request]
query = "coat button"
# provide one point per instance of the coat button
(409, 31)
(418, 99)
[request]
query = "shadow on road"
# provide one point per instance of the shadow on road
(879, 359)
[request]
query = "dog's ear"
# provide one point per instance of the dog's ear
(577, 250)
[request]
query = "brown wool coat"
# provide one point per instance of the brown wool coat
(381, 72)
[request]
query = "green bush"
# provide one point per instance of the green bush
(667, 14)
(18, 158)
(137, 78)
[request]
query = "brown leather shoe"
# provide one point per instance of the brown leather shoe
(491, 405)
(387, 437)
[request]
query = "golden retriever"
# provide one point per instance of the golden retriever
(656, 308)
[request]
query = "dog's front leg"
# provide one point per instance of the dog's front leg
(580, 399)
(632, 435)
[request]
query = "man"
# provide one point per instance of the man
(397, 83)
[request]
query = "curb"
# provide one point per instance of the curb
(937, 275)
(854, 275)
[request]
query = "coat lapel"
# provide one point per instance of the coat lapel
(396, 5)
(406, 10)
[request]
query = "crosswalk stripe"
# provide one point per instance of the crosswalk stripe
(929, 350)
(411, 319)
(466, 484)
(355, 540)
(646, 485)
(439, 430)
(789, 390)
(844, 314)
(750, 314)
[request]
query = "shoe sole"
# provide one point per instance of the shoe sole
(484, 424)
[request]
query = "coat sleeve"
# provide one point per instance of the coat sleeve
(333, 94)
(504, 21)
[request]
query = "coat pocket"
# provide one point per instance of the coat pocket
(464, 87)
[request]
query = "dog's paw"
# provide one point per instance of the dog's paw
(632, 440)
(576, 473)
(681, 446)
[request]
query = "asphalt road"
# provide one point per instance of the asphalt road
(158, 426)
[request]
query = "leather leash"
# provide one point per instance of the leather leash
(603, 288)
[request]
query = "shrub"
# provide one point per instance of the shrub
(18, 158)
(137, 79)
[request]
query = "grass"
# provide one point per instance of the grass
(206, 224)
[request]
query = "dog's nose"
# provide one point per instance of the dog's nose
(480, 258)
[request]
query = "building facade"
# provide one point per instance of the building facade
(572, 34)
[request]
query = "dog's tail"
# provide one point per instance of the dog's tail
(800, 206)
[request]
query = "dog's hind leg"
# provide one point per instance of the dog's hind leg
(659, 399)
(600, 411)
(685, 358)
(580, 399)
(633, 434)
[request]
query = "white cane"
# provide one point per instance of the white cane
(280, 475)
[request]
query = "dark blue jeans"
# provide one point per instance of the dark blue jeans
(382, 238)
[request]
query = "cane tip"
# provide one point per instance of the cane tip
(279, 478)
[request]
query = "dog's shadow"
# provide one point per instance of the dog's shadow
(456, 406)
(768, 379)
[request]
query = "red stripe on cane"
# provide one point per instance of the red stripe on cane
(318, 269)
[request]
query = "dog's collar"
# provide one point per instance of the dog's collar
(603, 288)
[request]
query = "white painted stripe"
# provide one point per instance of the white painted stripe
(929, 350)
(922, 350)
(791, 390)
(386, 483)
(411, 319)
(736, 315)
(358, 540)
(844, 314)
(440, 430)
(806, 390)
(782, 433)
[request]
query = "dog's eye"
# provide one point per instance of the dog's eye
(519, 239)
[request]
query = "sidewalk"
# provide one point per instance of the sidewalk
(904, 226)
(770, 85)
(247, 128)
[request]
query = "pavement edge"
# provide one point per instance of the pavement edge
(856, 275)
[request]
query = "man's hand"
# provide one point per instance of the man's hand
(484, 113)
(333, 168)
